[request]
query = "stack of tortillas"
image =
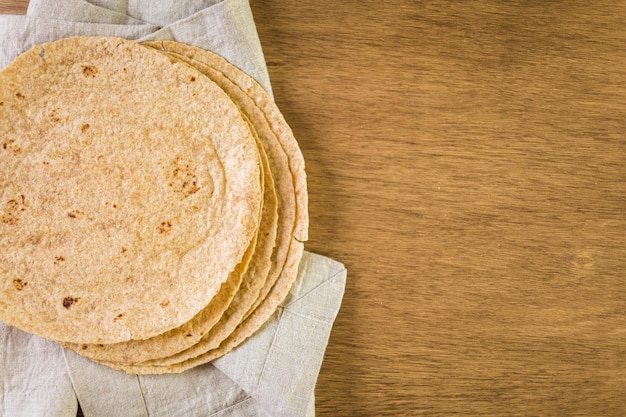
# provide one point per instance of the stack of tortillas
(153, 202)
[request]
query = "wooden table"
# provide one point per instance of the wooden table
(467, 162)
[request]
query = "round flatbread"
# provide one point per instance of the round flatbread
(130, 188)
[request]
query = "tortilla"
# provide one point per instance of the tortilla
(257, 288)
(129, 190)
(263, 113)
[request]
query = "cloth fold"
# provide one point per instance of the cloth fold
(33, 377)
(274, 372)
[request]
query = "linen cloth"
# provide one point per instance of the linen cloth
(274, 372)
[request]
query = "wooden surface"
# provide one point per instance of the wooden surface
(467, 162)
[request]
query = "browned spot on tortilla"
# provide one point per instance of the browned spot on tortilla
(119, 316)
(68, 301)
(12, 209)
(54, 116)
(164, 227)
(89, 71)
(84, 127)
(184, 178)
(20, 96)
(10, 146)
(165, 303)
(58, 259)
(19, 284)
(75, 213)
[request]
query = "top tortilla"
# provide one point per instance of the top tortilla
(129, 190)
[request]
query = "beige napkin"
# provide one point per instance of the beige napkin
(275, 371)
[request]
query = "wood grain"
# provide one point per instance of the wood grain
(467, 162)
(13, 6)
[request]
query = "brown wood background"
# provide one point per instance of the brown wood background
(466, 161)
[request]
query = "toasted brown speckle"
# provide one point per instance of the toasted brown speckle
(164, 227)
(75, 213)
(10, 146)
(20, 96)
(84, 127)
(68, 301)
(184, 179)
(11, 213)
(89, 71)
(58, 259)
(165, 303)
(19, 284)
(54, 116)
